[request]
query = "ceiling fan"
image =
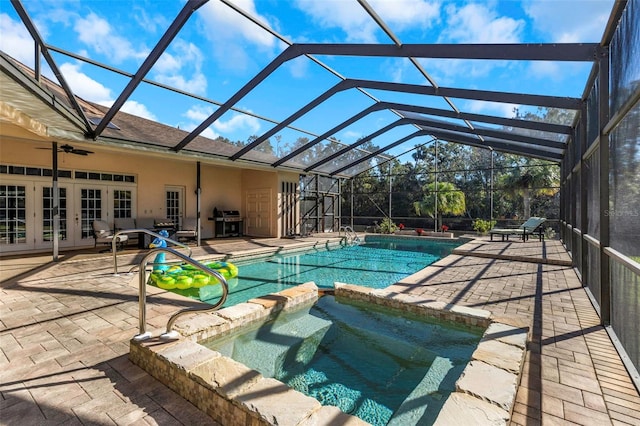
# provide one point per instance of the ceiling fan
(68, 149)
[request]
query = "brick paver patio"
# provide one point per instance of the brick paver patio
(65, 330)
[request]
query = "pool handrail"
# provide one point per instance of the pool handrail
(138, 231)
(350, 235)
(142, 294)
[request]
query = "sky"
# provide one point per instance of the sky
(218, 51)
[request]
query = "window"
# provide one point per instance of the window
(47, 214)
(122, 203)
(13, 214)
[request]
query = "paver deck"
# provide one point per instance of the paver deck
(65, 329)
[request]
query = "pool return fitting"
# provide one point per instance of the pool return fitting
(169, 334)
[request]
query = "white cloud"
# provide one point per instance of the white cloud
(133, 108)
(150, 24)
(15, 40)
(566, 22)
(84, 86)
(407, 13)
(351, 18)
(490, 108)
(97, 33)
(360, 27)
(299, 66)
(231, 34)
(238, 122)
(136, 108)
(87, 88)
(184, 58)
(351, 135)
(198, 114)
(477, 23)
(539, 69)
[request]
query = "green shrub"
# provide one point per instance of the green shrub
(387, 226)
(483, 226)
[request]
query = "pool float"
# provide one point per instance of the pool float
(183, 282)
(166, 282)
(200, 280)
(188, 277)
(160, 260)
(226, 269)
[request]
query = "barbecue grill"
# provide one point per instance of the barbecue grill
(228, 223)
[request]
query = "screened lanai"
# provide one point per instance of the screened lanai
(331, 90)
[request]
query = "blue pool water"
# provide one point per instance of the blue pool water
(377, 263)
(381, 367)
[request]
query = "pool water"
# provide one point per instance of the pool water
(377, 263)
(381, 367)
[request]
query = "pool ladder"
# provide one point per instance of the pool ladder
(169, 334)
(350, 235)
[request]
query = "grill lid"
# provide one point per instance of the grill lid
(227, 214)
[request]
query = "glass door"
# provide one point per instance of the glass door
(175, 204)
(13, 217)
(44, 215)
(91, 206)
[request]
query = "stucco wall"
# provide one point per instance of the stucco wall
(222, 186)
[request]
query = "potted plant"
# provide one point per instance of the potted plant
(419, 231)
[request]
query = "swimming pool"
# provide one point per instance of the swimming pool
(383, 368)
(376, 263)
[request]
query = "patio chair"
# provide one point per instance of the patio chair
(103, 235)
(533, 226)
(189, 229)
(126, 223)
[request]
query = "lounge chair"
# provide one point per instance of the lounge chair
(103, 235)
(189, 230)
(533, 226)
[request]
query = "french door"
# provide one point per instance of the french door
(175, 204)
(27, 212)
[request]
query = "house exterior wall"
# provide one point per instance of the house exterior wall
(222, 187)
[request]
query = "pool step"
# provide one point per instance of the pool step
(291, 342)
(428, 394)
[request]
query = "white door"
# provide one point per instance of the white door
(175, 204)
(258, 216)
(43, 215)
(91, 204)
(15, 221)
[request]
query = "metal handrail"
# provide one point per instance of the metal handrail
(143, 294)
(350, 234)
(115, 241)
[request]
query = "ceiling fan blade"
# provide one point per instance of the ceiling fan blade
(68, 149)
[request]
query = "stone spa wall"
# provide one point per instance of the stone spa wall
(232, 393)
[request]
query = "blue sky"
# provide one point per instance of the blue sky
(218, 51)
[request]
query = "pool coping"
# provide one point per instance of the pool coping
(232, 393)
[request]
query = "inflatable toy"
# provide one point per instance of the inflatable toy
(160, 260)
(190, 281)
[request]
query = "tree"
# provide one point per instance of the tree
(531, 178)
(450, 200)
